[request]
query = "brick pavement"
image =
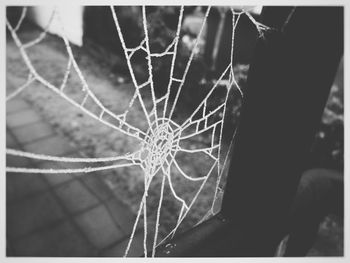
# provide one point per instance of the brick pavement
(58, 215)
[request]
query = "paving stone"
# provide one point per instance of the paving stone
(97, 186)
(75, 196)
(99, 227)
(16, 105)
(32, 132)
(11, 142)
(15, 161)
(21, 185)
(30, 213)
(122, 214)
(118, 250)
(50, 145)
(54, 179)
(22, 117)
(62, 240)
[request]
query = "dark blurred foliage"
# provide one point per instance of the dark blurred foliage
(328, 148)
(162, 24)
(99, 26)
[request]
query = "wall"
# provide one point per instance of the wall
(70, 15)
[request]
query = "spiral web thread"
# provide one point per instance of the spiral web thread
(161, 142)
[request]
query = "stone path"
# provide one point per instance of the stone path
(58, 215)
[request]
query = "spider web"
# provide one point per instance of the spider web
(164, 138)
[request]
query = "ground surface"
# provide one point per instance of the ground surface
(62, 214)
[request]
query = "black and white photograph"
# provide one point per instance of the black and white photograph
(176, 131)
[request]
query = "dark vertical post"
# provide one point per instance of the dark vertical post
(288, 85)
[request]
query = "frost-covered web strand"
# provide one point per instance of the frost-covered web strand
(66, 171)
(138, 215)
(172, 233)
(134, 227)
(137, 92)
(135, 131)
(145, 215)
(189, 120)
(165, 52)
(20, 21)
(222, 170)
(29, 81)
(44, 157)
(211, 211)
(234, 25)
(42, 34)
(158, 216)
(195, 198)
(149, 62)
(172, 67)
(66, 75)
(290, 15)
(189, 61)
(261, 28)
(133, 50)
(232, 80)
(174, 192)
(187, 176)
